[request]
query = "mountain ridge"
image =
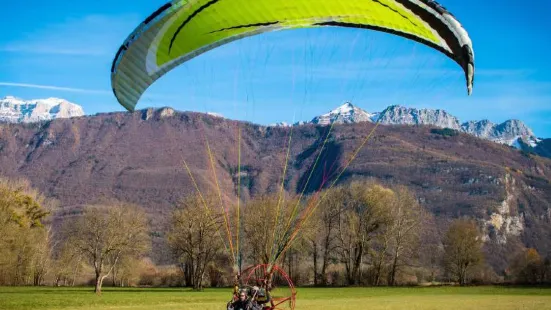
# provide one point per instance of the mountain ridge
(512, 132)
(136, 157)
(17, 110)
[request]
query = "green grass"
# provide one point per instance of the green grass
(487, 298)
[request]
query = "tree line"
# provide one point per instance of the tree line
(359, 234)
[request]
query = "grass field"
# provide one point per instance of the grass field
(487, 298)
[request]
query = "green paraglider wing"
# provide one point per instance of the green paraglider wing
(181, 30)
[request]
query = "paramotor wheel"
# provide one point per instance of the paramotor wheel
(281, 291)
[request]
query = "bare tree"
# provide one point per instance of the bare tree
(104, 234)
(362, 214)
(462, 249)
(430, 250)
(41, 258)
(196, 236)
(258, 229)
(324, 241)
(380, 252)
(406, 226)
(268, 223)
(330, 215)
(127, 271)
(68, 263)
(24, 252)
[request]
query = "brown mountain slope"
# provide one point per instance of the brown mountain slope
(138, 157)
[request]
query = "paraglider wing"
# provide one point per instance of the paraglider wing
(183, 29)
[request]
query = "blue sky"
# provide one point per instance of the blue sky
(65, 50)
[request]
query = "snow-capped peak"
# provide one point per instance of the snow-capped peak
(17, 110)
(346, 113)
(345, 108)
(400, 115)
(12, 100)
(508, 132)
(511, 132)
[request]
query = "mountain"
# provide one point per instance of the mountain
(482, 129)
(137, 158)
(345, 114)
(511, 132)
(398, 115)
(16, 110)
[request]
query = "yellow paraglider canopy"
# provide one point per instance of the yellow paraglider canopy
(181, 30)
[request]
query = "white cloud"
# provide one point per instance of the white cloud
(44, 49)
(147, 97)
(57, 88)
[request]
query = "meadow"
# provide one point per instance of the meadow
(421, 298)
